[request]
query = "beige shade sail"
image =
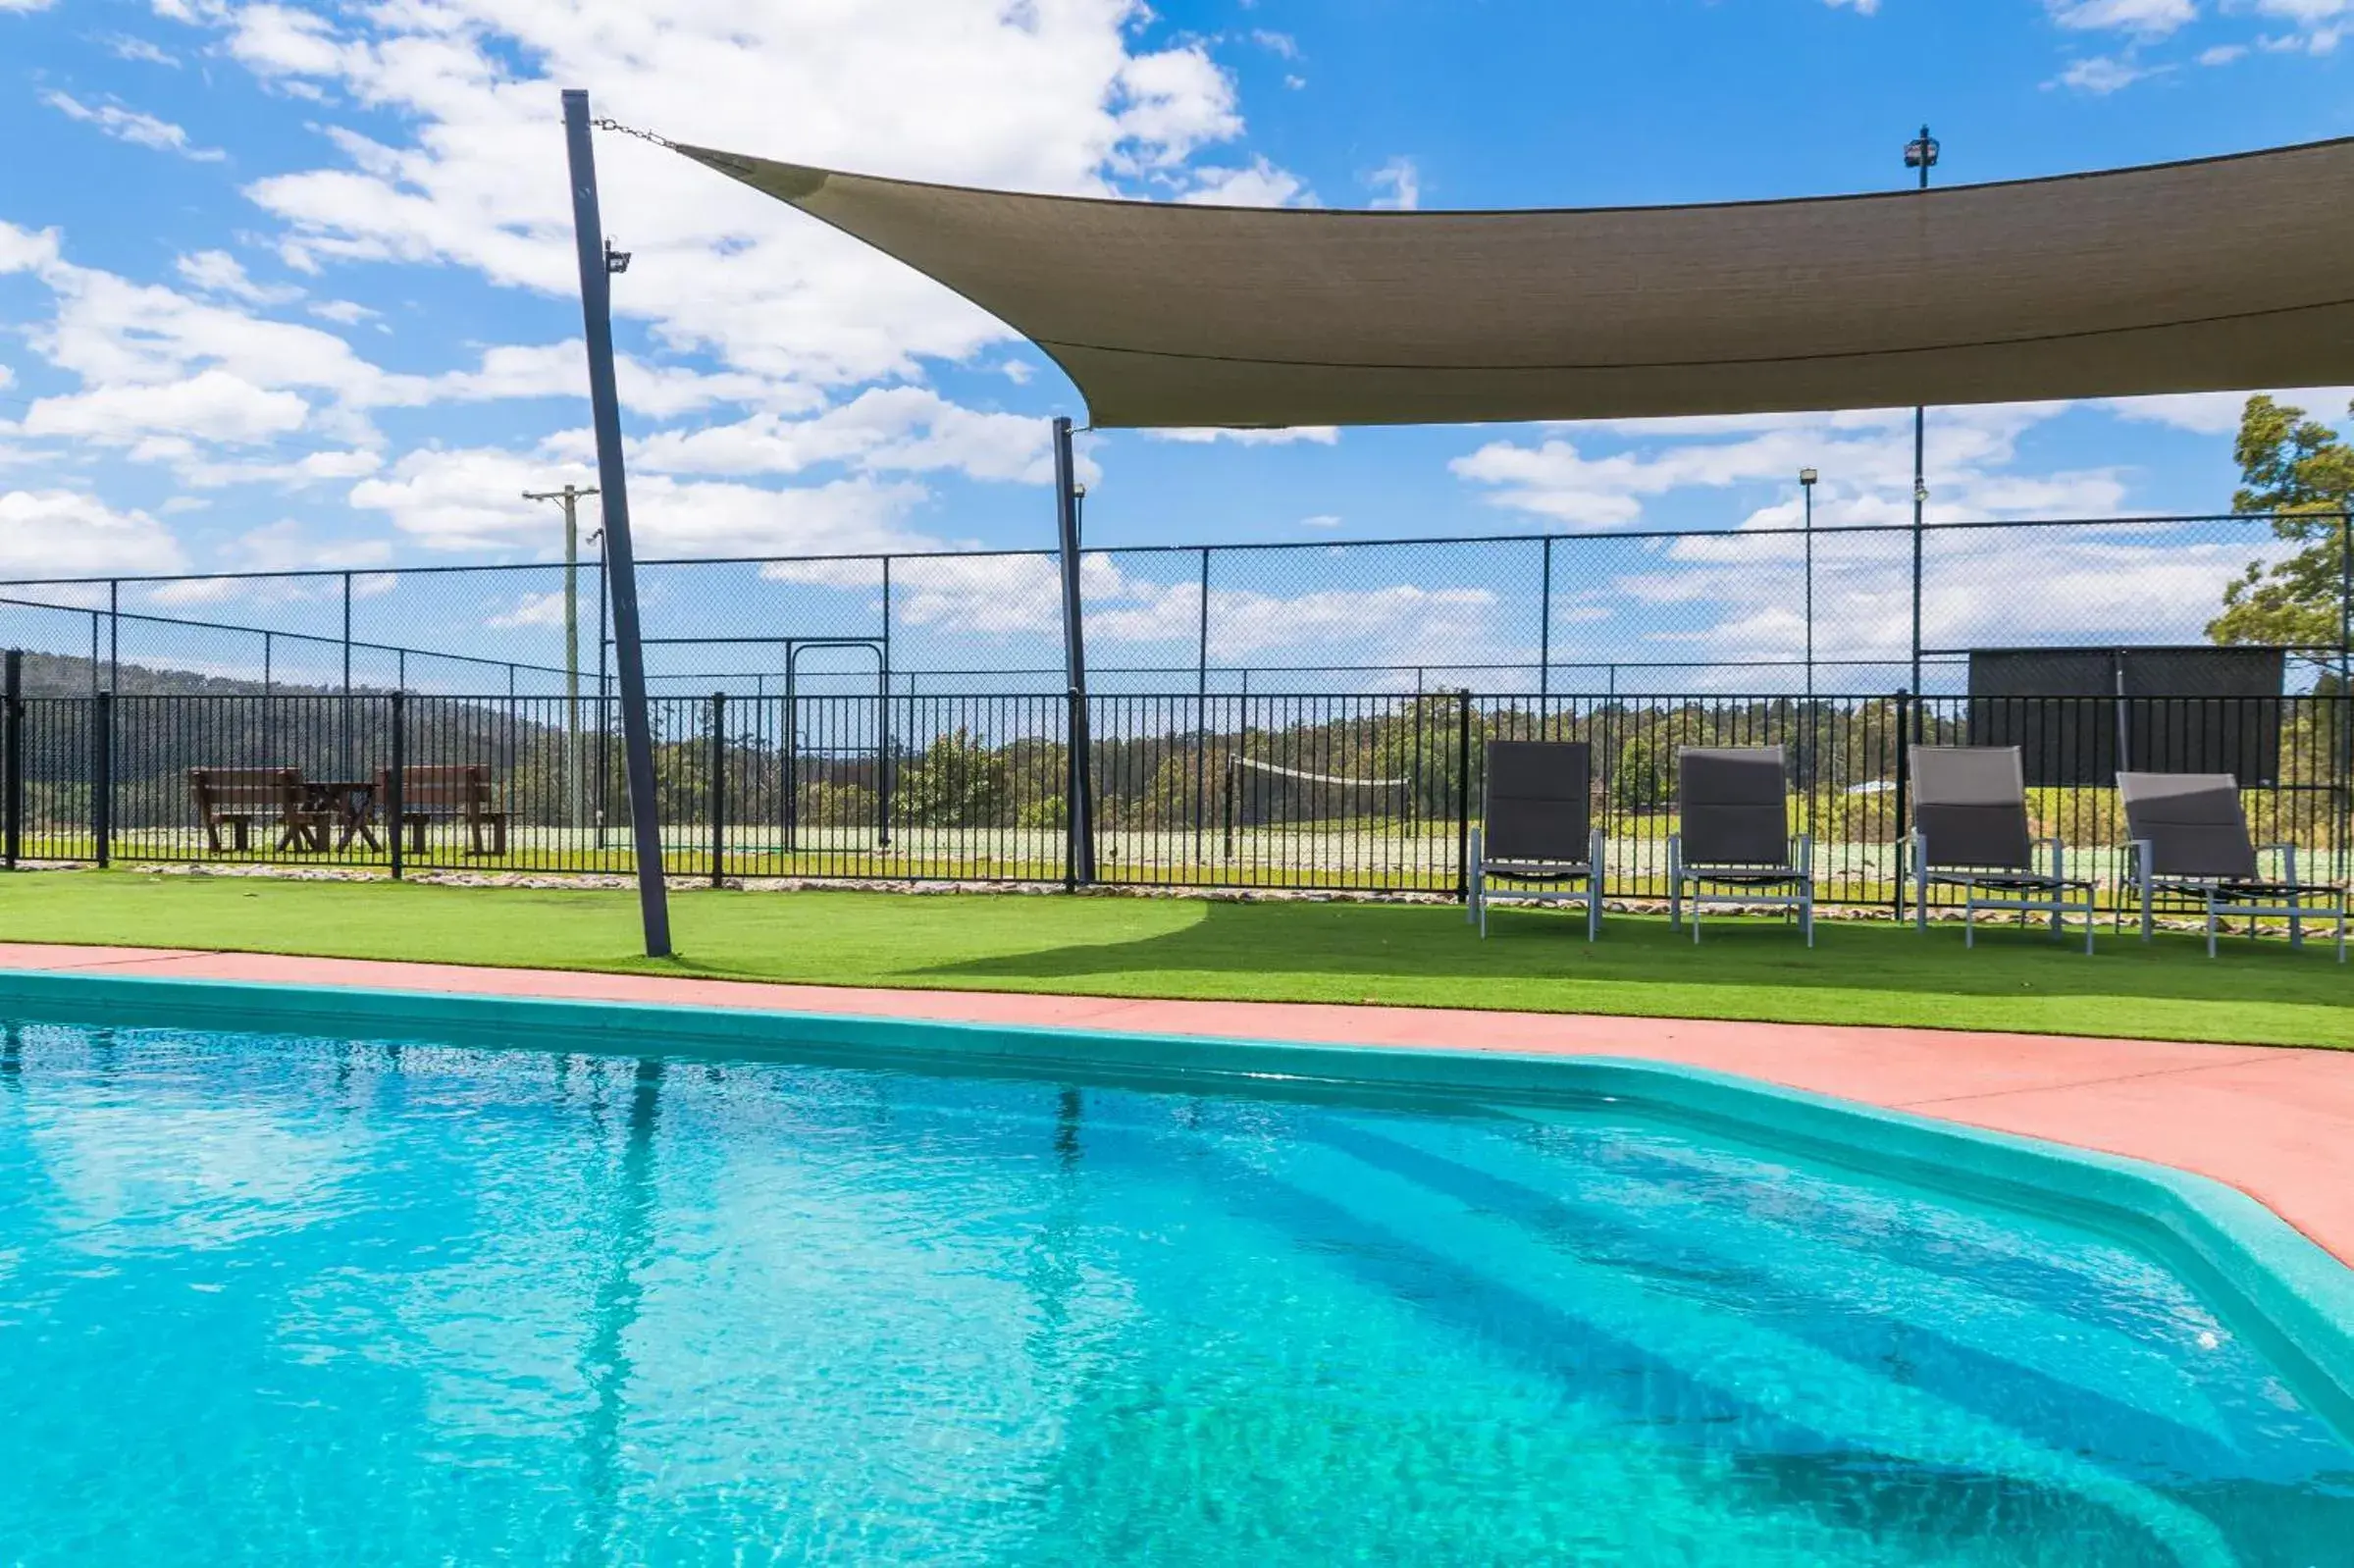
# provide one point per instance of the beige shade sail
(2223, 273)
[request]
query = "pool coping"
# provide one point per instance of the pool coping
(2270, 1279)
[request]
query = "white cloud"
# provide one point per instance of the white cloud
(1172, 102)
(60, 533)
(2223, 54)
(129, 125)
(1321, 520)
(1401, 184)
(212, 406)
(532, 610)
(2102, 74)
(124, 46)
(2318, 23)
(2146, 18)
(561, 370)
(216, 272)
(778, 320)
(1048, 96)
(108, 329)
(1733, 595)
(884, 430)
(289, 545)
(471, 501)
(2305, 12)
(1018, 596)
(2218, 413)
(1866, 8)
(1259, 183)
(326, 465)
(1865, 457)
(1283, 435)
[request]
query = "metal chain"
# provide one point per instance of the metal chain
(633, 131)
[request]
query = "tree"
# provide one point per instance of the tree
(1640, 781)
(958, 781)
(2302, 471)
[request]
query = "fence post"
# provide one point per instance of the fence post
(2345, 690)
(1201, 706)
(718, 786)
(1463, 795)
(882, 757)
(102, 775)
(1544, 628)
(1231, 766)
(1906, 718)
(882, 722)
(393, 825)
(114, 633)
(1072, 723)
(12, 761)
(789, 763)
(345, 706)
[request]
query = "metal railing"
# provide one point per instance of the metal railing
(1349, 792)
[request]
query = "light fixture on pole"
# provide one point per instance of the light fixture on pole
(1920, 153)
(569, 497)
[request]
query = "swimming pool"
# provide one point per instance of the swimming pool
(405, 1300)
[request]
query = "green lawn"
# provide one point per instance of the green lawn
(1405, 956)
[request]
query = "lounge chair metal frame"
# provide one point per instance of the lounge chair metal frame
(2010, 889)
(1741, 883)
(2055, 889)
(1535, 879)
(2218, 896)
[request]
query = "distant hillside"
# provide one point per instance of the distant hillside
(66, 675)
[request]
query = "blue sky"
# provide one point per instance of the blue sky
(289, 287)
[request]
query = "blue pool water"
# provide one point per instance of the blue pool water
(275, 1300)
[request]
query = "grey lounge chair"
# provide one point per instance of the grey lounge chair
(1969, 831)
(2191, 844)
(1537, 833)
(1735, 847)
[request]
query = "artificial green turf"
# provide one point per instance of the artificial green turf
(1115, 946)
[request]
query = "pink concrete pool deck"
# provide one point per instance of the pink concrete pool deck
(2276, 1124)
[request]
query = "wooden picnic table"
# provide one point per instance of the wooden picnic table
(343, 806)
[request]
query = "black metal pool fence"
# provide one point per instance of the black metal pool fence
(1335, 791)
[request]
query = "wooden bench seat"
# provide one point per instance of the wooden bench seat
(447, 793)
(236, 798)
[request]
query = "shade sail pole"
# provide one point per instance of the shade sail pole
(1080, 810)
(597, 265)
